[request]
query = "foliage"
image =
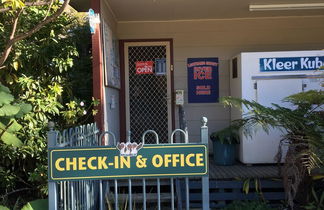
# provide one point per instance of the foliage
(42, 70)
(14, 11)
(302, 129)
(248, 205)
(54, 41)
(39, 204)
(257, 186)
(317, 197)
(4, 208)
(228, 135)
(9, 112)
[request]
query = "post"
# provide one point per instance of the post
(183, 126)
(52, 187)
(205, 179)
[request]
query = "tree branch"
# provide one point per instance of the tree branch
(18, 190)
(20, 37)
(28, 4)
(15, 22)
(49, 8)
(8, 48)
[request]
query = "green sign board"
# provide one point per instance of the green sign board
(162, 160)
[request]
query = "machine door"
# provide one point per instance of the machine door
(313, 84)
(274, 90)
(268, 92)
(148, 89)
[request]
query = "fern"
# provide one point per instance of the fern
(303, 126)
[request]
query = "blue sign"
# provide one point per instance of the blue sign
(203, 80)
(291, 64)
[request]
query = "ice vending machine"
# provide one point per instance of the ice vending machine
(268, 77)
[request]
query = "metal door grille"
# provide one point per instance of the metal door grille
(148, 105)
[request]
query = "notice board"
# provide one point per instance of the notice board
(203, 82)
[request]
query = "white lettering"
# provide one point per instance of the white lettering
(318, 63)
(279, 65)
(303, 63)
(287, 65)
(266, 64)
(294, 64)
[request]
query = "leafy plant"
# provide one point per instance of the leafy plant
(9, 112)
(14, 10)
(228, 135)
(39, 204)
(303, 133)
(50, 70)
(4, 208)
(257, 186)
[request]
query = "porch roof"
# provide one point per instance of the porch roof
(166, 10)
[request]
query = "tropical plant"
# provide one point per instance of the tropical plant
(228, 135)
(51, 71)
(302, 128)
(257, 186)
(10, 110)
(39, 204)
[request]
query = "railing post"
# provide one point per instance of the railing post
(205, 179)
(52, 187)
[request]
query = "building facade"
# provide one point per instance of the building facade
(171, 31)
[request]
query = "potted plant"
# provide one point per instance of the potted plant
(224, 144)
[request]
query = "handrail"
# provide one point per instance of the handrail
(150, 131)
(185, 133)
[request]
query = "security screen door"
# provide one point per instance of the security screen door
(148, 92)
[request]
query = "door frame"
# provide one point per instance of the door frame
(122, 98)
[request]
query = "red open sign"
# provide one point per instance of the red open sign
(144, 67)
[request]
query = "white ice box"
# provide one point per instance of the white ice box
(268, 77)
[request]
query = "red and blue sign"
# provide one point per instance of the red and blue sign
(203, 82)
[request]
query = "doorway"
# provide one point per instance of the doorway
(148, 89)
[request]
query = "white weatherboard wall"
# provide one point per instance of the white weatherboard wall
(280, 80)
(111, 94)
(224, 39)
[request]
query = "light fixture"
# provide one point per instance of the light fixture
(270, 7)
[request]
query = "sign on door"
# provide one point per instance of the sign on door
(144, 67)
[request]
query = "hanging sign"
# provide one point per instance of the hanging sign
(127, 161)
(202, 80)
(291, 64)
(144, 67)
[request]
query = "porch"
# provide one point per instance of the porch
(241, 171)
(226, 184)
